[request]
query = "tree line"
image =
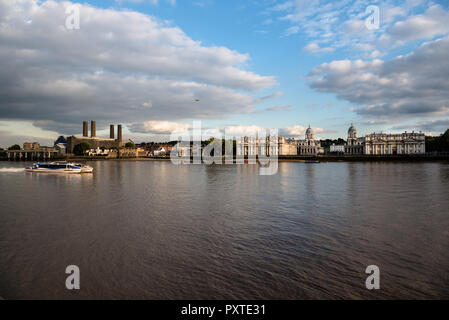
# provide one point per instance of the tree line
(438, 144)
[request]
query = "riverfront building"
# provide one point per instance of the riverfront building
(95, 142)
(310, 146)
(385, 143)
(337, 148)
(355, 145)
(252, 147)
(392, 144)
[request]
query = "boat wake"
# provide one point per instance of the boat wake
(11, 170)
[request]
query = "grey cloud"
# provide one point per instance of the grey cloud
(427, 126)
(423, 26)
(412, 85)
(280, 108)
(7, 139)
(111, 67)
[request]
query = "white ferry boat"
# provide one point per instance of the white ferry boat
(59, 167)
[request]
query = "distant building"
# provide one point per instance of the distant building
(354, 145)
(337, 148)
(385, 143)
(95, 142)
(159, 152)
(61, 139)
(252, 147)
(287, 147)
(158, 149)
(310, 146)
(100, 152)
(132, 152)
(61, 148)
(31, 146)
(392, 144)
(35, 146)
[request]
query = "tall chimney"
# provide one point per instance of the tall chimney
(119, 132)
(85, 129)
(111, 131)
(93, 129)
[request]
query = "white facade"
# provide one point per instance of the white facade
(310, 146)
(252, 147)
(391, 144)
(337, 148)
(354, 144)
(98, 152)
(159, 152)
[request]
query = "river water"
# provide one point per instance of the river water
(153, 230)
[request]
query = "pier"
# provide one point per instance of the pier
(29, 155)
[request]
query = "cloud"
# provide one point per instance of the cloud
(440, 125)
(7, 139)
(315, 48)
(112, 68)
(414, 85)
(273, 95)
(159, 127)
(280, 108)
(154, 2)
(292, 30)
(422, 26)
(298, 130)
(341, 24)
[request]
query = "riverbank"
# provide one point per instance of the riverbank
(318, 158)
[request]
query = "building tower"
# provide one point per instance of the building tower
(309, 133)
(119, 132)
(352, 135)
(111, 131)
(85, 129)
(93, 129)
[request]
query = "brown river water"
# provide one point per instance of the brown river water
(153, 230)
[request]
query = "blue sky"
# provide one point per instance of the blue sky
(279, 64)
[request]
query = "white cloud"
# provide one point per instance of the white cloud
(272, 95)
(298, 131)
(292, 30)
(315, 48)
(414, 85)
(159, 127)
(341, 24)
(120, 65)
(280, 108)
(433, 22)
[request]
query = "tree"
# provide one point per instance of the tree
(130, 145)
(14, 147)
(81, 148)
(438, 144)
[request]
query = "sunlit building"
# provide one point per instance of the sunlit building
(392, 144)
(354, 145)
(310, 146)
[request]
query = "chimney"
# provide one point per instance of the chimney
(119, 132)
(111, 131)
(85, 129)
(93, 129)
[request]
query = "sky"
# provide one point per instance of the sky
(158, 65)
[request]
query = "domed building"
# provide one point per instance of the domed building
(355, 145)
(310, 146)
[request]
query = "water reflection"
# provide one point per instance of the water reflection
(154, 230)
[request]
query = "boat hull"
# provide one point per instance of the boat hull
(65, 171)
(59, 168)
